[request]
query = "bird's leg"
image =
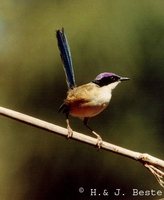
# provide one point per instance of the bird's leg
(99, 139)
(70, 131)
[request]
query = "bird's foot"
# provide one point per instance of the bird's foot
(99, 140)
(70, 132)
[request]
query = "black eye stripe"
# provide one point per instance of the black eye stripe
(106, 80)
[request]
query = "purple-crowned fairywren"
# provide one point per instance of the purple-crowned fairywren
(88, 100)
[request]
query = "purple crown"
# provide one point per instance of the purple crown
(105, 75)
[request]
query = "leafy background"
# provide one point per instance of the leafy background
(125, 37)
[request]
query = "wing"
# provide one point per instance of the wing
(82, 94)
(65, 54)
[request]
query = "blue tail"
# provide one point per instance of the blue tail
(66, 58)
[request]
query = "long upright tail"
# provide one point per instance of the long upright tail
(65, 54)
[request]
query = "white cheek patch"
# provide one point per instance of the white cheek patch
(113, 85)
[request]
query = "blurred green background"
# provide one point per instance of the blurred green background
(125, 37)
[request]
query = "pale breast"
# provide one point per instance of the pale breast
(88, 100)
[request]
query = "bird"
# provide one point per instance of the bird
(87, 100)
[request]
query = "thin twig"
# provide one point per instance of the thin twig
(152, 163)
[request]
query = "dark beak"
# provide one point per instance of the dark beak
(124, 78)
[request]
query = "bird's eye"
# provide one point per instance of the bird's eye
(113, 78)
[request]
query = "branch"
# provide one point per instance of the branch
(153, 164)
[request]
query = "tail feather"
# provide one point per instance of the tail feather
(64, 108)
(65, 54)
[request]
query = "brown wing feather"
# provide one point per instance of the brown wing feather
(80, 94)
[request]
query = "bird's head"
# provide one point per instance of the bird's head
(108, 78)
